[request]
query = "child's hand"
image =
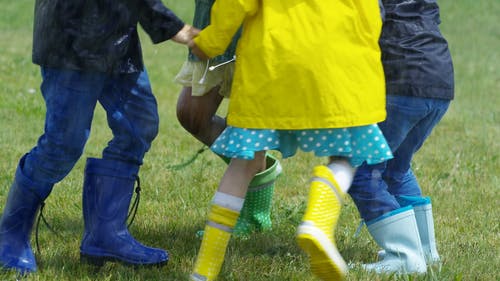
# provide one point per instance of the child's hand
(186, 34)
(197, 51)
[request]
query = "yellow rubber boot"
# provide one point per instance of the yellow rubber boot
(213, 246)
(315, 235)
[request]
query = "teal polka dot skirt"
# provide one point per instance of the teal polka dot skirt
(358, 144)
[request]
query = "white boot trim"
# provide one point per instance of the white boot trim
(308, 227)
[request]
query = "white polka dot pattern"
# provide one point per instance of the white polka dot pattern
(359, 144)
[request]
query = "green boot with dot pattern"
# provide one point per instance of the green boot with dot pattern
(256, 212)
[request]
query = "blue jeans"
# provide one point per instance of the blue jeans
(70, 99)
(409, 122)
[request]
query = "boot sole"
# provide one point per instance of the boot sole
(326, 261)
(99, 261)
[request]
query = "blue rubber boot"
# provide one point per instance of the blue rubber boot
(107, 191)
(17, 222)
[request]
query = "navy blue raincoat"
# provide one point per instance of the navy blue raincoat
(415, 55)
(98, 35)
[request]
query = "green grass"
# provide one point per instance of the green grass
(459, 167)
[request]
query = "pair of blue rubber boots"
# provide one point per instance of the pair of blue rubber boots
(107, 192)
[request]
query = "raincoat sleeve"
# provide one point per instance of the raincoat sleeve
(225, 19)
(158, 21)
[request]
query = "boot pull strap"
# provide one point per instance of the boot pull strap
(135, 205)
(41, 217)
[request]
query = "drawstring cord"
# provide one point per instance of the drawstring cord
(212, 68)
(202, 80)
(42, 218)
(135, 205)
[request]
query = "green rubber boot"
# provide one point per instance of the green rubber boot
(256, 212)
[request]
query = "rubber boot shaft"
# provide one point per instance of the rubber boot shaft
(17, 222)
(107, 192)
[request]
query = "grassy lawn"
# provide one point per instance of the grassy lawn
(459, 167)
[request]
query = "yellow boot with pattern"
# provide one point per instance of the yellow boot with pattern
(315, 235)
(222, 218)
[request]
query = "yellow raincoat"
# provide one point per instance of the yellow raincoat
(301, 64)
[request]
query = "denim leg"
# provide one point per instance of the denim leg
(70, 99)
(409, 122)
(369, 192)
(423, 114)
(132, 114)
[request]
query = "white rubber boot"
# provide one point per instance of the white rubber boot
(397, 233)
(425, 221)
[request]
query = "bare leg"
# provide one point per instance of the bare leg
(197, 114)
(240, 172)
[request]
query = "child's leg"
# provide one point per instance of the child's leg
(399, 176)
(197, 114)
(222, 217)
(315, 234)
(409, 131)
(370, 193)
(224, 213)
